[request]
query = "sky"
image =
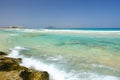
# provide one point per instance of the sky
(60, 13)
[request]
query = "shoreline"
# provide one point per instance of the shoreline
(78, 32)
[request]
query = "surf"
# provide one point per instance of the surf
(56, 73)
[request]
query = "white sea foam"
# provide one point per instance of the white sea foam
(16, 51)
(56, 73)
(69, 31)
(56, 58)
(13, 34)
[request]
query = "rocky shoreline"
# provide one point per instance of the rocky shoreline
(11, 70)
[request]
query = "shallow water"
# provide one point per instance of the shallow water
(67, 56)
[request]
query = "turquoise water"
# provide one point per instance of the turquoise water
(67, 55)
(98, 29)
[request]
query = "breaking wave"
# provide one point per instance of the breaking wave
(56, 73)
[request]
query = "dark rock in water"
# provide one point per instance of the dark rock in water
(11, 70)
(8, 64)
(17, 60)
(30, 74)
(3, 53)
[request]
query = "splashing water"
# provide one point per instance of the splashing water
(55, 73)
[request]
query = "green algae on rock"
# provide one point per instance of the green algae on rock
(3, 53)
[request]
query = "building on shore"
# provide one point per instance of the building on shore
(12, 27)
(15, 27)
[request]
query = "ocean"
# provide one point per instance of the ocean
(66, 54)
(98, 29)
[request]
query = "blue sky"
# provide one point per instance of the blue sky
(60, 13)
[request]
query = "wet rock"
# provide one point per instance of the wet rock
(8, 64)
(30, 74)
(11, 70)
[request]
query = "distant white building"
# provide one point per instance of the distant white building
(11, 27)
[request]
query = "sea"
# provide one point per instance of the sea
(66, 54)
